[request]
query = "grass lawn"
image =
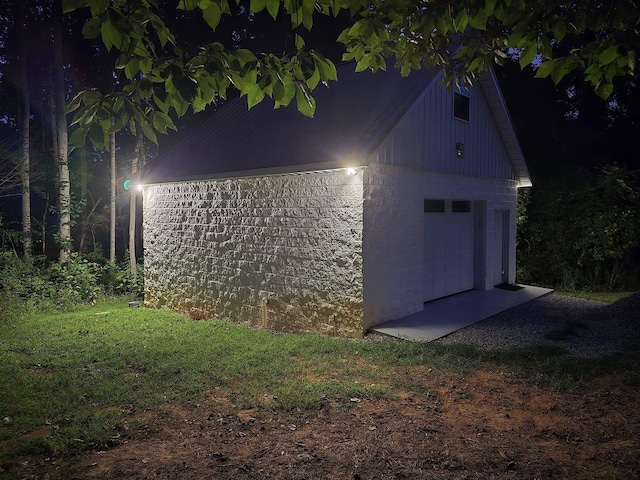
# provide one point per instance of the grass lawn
(76, 381)
(607, 297)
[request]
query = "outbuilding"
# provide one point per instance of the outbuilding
(398, 192)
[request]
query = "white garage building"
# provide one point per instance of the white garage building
(397, 193)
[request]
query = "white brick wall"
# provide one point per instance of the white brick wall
(393, 235)
(222, 248)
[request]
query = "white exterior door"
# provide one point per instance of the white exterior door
(500, 248)
(448, 248)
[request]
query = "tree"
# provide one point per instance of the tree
(62, 153)
(137, 162)
(463, 38)
(112, 197)
(24, 111)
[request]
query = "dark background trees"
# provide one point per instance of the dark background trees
(579, 221)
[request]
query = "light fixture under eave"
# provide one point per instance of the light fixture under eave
(350, 171)
(139, 187)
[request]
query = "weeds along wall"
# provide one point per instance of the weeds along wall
(282, 252)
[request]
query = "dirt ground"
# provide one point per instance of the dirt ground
(487, 425)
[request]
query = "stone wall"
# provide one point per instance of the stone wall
(282, 252)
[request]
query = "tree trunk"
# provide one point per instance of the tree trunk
(83, 180)
(44, 224)
(64, 192)
(88, 226)
(136, 161)
(112, 203)
(23, 119)
(51, 110)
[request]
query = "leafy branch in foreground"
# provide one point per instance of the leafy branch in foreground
(463, 38)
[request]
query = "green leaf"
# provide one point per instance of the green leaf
(357, 29)
(118, 105)
(609, 55)
(111, 36)
(199, 104)
(98, 6)
(308, 7)
(545, 69)
(91, 28)
(75, 103)
(528, 54)
(131, 68)
(559, 30)
(489, 7)
(106, 35)
(461, 21)
(78, 136)
(254, 96)
(631, 63)
(162, 105)
(163, 35)
(273, 7)
(363, 63)
(299, 42)
(604, 90)
(145, 65)
(561, 69)
(314, 79)
(149, 132)
(289, 93)
(544, 47)
(326, 68)
(97, 136)
(305, 103)
(162, 121)
(245, 56)
(187, 5)
(71, 5)
(179, 105)
(257, 5)
(91, 97)
(479, 21)
(212, 15)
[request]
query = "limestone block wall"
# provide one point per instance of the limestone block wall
(282, 252)
(393, 238)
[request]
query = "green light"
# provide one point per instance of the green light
(127, 184)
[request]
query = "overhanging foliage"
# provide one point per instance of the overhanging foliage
(464, 38)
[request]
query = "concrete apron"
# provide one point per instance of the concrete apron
(447, 315)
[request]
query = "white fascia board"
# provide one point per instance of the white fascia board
(491, 89)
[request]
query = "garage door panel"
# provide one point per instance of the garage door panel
(448, 252)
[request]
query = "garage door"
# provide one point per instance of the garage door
(448, 247)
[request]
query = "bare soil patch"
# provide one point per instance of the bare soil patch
(487, 425)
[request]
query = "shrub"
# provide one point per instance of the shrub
(23, 286)
(74, 282)
(28, 284)
(583, 231)
(116, 279)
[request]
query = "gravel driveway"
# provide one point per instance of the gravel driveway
(583, 327)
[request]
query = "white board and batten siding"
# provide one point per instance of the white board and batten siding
(427, 135)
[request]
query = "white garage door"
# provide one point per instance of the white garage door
(448, 247)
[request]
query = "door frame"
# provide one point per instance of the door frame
(501, 246)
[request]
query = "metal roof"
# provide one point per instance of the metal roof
(353, 116)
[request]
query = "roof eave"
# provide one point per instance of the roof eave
(489, 85)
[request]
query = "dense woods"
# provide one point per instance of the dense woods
(579, 225)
